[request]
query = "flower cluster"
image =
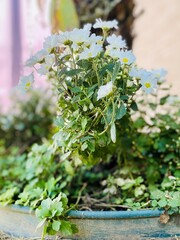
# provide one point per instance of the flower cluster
(96, 78)
(84, 45)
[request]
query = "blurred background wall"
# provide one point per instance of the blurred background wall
(157, 41)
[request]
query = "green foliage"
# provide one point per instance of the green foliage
(52, 213)
(28, 120)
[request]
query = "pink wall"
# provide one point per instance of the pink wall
(23, 26)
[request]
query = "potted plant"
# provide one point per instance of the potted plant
(105, 154)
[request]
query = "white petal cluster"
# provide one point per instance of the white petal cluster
(45, 67)
(91, 52)
(105, 24)
(126, 57)
(105, 90)
(38, 57)
(149, 85)
(51, 42)
(25, 83)
(116, 42)
(65, 49)
(160, 74)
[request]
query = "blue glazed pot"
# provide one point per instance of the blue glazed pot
(96, 225)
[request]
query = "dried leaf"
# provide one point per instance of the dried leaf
(164, 218)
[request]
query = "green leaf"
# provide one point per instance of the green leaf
(73, 72)
(59, 122)
(154, 203)
(116, 69)
(65, 228)
(134, 106)
(162, 202)
(65, 155)
(41, 223)
(85, 64)
(76, 90)
(84, 146)
(169, 157)
(113, 132)
(68, 167)
(124, 97)
(164, 99)
(46, 204)
(109, 67)
(120, 111)
(56, 225)
(157, 194)
(138, 191)
(174, 202)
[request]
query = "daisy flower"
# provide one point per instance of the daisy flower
(45, 67)
(91, 52)
(127, 57)
(26, 82)
(38, 57)
(149, 84)
(105, 24)
(51, 42)
(160, 74)
(116, 42)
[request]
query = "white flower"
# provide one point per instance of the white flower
(105, 24)
(127, 57)
(105, 90)
(93, 39)
(79, 35)
(149, 84)
(25, 83)
(64, 38)
(116, 42)
(45, 67)
(87, 27)
(51, 42)
(91, 52)
(114, 53)
(139, 73)
(160, 74)
(38, 57)
(75, 38)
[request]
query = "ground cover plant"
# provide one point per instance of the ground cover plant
(116, 143)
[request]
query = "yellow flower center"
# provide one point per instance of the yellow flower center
(27, 86)
(147, 85)
(125, 60)
(90, 54)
